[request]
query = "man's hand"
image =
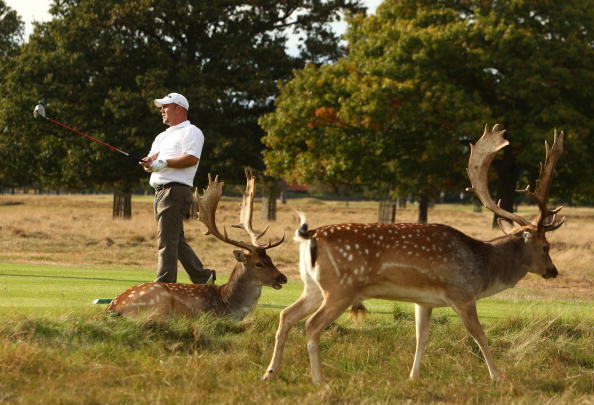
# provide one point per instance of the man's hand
(147, 161)
(158, 165)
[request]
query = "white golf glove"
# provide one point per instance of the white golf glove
(158, 165)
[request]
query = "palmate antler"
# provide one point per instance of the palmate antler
(481, 156)
(208, 206)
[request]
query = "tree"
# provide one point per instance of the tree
(11, 35)
(100, 64)
(383, 115)
(420, 76)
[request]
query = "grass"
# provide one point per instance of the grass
(58, 253)
(99, 359)
(55, 290)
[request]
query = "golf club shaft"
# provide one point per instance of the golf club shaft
(95, 139)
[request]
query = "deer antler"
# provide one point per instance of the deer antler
(208, 206)
(543, 185)
(245, 216)
(481, 156)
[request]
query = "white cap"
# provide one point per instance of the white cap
(175, 98)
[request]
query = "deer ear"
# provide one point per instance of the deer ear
(239, 255)
(505, 226)
(527, 236)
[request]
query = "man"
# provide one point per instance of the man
(173, 162)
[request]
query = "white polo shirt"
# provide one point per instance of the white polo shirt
(177, 140)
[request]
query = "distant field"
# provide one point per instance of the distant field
(58, 253)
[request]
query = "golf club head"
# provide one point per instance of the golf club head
(39, 111)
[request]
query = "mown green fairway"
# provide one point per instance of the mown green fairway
(58, 348)
(55, 290)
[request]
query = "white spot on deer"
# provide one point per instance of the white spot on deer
(348, 247)
(350, 258)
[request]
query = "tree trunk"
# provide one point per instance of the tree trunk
(387, 212)
(423, 208)
(507, 176)
(476, 204)
(270, 192)
(122, 204)
(283, 192)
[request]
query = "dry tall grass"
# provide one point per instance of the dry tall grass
(78, 230)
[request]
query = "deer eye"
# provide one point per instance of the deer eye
(259, 264)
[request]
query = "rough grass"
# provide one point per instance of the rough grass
(100, 359)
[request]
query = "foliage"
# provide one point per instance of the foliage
(423, 76)
(11, 32)
(100, 64)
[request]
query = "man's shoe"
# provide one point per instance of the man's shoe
(212, 278)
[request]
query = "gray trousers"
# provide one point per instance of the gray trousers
(172, 204)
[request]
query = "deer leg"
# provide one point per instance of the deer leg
(471, 322)
(330, 310)
(422, 319)
(309, 301)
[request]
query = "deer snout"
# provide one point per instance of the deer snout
(551, 272)
(280, 279)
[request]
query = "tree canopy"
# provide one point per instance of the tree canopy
(421, 78)
(99, 65)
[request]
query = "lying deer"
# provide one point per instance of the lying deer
(237, 298)
(429, 264)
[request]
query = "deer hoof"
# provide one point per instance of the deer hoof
(269, 375)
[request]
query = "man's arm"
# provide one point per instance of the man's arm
(183, 161)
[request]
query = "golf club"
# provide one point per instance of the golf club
(39, 111)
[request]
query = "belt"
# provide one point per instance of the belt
(169, 185)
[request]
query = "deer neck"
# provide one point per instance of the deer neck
(241, 293)
(508, 263)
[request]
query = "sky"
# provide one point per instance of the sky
(37, 10)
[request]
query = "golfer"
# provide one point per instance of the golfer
(173, 162)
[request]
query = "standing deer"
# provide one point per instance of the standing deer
(237, 298)
(431, 265)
